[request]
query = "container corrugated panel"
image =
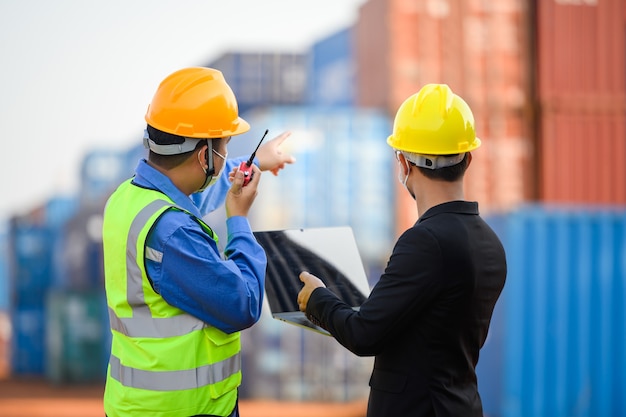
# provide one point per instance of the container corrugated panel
(332, 66)
(372, 38)
(28, 335)
(264, 79)
(581, 90)
(583, 157)
(491, 362)
(562, 316)
(77, 339)
(30, 252)
(480, 50)
(59, 209)
(101, 170)
(78, 258)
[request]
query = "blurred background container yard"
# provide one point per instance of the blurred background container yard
(546, 80)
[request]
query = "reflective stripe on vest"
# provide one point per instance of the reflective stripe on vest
(142, 324)
(174, 380)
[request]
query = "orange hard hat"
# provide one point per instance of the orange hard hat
(196, 103)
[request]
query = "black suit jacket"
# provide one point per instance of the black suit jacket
(427, 317)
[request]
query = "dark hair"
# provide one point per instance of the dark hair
(164, 138)
(449, 174)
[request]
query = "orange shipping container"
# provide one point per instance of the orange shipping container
(581, 95)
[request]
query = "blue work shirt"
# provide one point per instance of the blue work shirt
(189, 271)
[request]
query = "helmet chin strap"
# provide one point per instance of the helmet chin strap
(209, 161)
(208, 154)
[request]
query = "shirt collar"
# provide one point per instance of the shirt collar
(149, 177)
(458, 207)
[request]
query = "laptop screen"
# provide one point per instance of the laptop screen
(330, 253)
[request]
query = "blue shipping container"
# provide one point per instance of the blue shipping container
(561, 322)
(101, 171)
(58, 210)
(264, 79)
(28, 341)
(332, 70)
(30, 249)
(78, 263)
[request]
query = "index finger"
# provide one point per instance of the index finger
(281, 138)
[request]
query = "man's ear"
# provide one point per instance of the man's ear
(404, 164)
(201, 153)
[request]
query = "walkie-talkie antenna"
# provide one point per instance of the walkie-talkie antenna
(249, 162)
(246, 166)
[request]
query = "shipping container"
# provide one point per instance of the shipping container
(100, 173)
(581, 100)
(372, 40)
(342, 176)
(28, 335)
(557, 341)
(77, 342)
(480, 49)
(58, 209)
(30, 261)
(264, 79)
(78, 259)
(332, 70)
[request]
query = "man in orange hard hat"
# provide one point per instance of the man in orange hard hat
(176, 306)
(428, 316)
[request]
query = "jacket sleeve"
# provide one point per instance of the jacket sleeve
(192, 276)
(407, 285)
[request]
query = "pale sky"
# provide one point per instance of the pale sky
(77, 75)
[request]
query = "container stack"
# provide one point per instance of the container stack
(31, 239)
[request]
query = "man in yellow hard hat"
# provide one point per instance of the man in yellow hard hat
(176, 306)
(428, 316)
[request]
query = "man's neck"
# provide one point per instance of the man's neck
(431, 193)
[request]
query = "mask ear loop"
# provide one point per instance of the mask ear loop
(406, 164)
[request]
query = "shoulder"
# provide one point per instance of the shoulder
(417, 244)
(176, 223)
(421, 234)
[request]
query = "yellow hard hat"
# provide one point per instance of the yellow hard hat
(434, 121)
(196, 103)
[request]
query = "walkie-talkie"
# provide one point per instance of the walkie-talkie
(246, 166)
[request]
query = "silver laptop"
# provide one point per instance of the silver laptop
(330, 253)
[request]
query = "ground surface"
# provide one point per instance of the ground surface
(33, 398)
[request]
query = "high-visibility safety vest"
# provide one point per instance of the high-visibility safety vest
(164, 362)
